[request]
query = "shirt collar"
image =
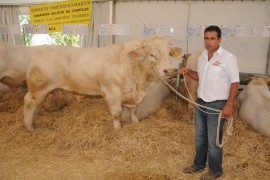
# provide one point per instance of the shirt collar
(219, 51)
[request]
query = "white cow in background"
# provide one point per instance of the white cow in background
(192, 85)
(254, 103)
(119, 72)
(156, 92)
(14, 60)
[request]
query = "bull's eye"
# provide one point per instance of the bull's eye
(153, 56)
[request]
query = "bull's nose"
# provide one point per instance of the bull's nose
(166, 71)
(169, 72)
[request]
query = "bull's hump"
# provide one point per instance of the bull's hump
(113, 53)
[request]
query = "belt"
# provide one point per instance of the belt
(219, 100)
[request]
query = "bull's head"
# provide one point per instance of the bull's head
(155, 50)
(145, 58)
(165, 67)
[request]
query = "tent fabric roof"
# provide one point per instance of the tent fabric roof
(31, 2)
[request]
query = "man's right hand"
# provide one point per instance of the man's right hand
(183, 70)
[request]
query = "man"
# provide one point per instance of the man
(218, 77)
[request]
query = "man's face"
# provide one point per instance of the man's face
(211, 41)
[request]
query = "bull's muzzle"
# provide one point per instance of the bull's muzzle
(169, 72)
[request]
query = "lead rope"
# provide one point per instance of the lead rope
(229, 128)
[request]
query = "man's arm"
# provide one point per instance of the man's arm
(228, 108)
(192, 74)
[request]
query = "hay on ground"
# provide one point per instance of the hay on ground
(75, 140)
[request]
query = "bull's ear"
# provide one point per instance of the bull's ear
(175, 52)
(137, 54)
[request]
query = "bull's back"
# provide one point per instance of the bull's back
(74, 69)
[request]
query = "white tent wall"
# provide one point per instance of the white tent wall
(8, 15)
(101, 14)
(152, 12)
(252, 52)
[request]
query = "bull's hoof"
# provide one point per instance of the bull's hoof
(29, 128)
(116, 125)
(135, 120)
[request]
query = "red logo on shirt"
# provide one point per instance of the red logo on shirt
(217, 63)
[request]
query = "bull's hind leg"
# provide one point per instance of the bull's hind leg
(30, 105)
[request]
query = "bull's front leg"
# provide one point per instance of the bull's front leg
(115, 107)
(133, 115)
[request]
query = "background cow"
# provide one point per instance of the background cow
(14, 60)
(156, 92)
(254, 103)
(184, 59)
(192, 85)
(119, 72)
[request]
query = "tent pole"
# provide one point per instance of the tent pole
(111, 17)
(268, 60)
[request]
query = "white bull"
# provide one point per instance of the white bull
(254, 103)
(14, 60)
(119, 72)
(156, 92)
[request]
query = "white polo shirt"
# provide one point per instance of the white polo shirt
(216, 75)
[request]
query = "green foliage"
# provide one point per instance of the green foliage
(65, 39)
(25, 37)
(58, 37)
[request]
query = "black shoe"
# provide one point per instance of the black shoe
(192, 169)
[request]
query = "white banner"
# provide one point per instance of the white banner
(113, 29)
(36, 28)
(81, 29)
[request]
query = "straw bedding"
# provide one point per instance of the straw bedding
(75, 140)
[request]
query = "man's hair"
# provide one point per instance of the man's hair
(213, 28)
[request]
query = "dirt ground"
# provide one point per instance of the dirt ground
(75, 140)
